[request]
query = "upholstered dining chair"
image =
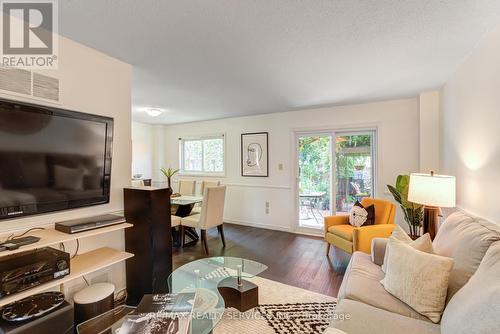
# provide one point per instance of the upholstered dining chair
(204, 184)
(175, 220)
(343, 235)
(212, 211)
(187, 187)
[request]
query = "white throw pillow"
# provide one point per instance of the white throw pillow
(361, 215)
(424, 243)
(418, 279)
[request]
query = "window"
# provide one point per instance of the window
(204, 155)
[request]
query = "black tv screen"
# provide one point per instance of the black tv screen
(52, 159)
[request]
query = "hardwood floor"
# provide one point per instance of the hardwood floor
(292, 259)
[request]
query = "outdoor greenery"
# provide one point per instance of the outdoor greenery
(315, 165)
(346, 162)
(413, 213)
(204, 155)
(353, 154)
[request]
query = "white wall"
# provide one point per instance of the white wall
(94, 83)
(398, 128)
(470, 136)
(429, 105)
(142, 149)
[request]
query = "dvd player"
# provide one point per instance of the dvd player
(88, 223)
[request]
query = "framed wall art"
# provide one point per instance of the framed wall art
(255, 154)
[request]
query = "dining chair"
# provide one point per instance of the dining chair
(175, 220)
(212, 211)
(187, 187)
(204, 184)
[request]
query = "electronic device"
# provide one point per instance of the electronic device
(93, 300)
(59, 320)
(52, 159)
(33, 306)
(21, 271)
(88, 223)
(18, 242)
(150, 239)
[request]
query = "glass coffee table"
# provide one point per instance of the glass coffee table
(205, 277)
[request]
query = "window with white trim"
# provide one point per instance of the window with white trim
(202, 155)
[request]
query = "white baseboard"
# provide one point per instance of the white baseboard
(259, 225)
(269, 227)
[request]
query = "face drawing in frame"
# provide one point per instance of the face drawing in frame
(254, 155)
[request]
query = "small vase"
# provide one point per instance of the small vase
(168, 182)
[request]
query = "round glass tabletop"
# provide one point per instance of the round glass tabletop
(203, 277)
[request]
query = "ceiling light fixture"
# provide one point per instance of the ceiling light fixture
(153, 112)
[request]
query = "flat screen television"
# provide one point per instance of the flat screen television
(52, 159)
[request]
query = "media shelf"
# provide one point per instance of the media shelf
(81, 265)
(50, 237)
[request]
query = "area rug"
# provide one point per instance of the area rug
(283, 309)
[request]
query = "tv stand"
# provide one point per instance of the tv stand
(81, 264)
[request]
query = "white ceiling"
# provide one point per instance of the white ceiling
(208, 59)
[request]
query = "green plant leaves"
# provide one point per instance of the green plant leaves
(395, 193)
(413, 212)
(169, 172)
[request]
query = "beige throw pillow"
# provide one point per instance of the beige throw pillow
(424, 243)
(418, 279)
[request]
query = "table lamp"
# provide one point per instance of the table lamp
(432, 191)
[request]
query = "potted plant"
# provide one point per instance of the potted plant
(168, 174)
(413, 212)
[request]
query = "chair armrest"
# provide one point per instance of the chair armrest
(335, 220)
(362, 236)
(378, 250)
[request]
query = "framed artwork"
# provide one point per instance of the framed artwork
(255, 154)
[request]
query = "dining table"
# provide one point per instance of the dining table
(183, 206)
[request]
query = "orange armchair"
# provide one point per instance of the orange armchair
(343, 235)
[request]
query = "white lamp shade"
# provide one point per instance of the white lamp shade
(432, 190)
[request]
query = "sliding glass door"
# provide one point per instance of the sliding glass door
(354, 168)
(314, 152)
(334, 170)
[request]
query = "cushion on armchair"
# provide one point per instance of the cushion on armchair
(343, 231)
(361, 215)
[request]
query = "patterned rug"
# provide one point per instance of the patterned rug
(283, 309)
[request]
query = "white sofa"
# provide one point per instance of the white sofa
(473, 302)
